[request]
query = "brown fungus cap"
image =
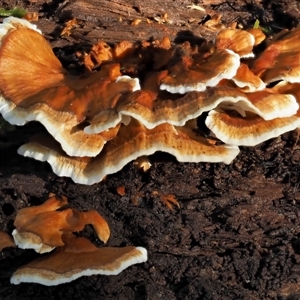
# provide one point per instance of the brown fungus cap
(41, 227)
(78, 257)
(246, 80)
(6, 240)
(153, 107)
(131, 142)
(35, 86)
(271, 105)
(281, 59)
(237, 40)
(251, 130)
(190, 74)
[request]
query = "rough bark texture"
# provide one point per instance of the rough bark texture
(237, 232)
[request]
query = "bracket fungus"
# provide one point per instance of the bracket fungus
(280, 60)
(44, 228)
(78, 257)
(57, 99)
(132, 141)
(237, 40)
(250, 130)
(246, 80)
(196, 74)
(41, 227)
(153, 107)
(102, 120)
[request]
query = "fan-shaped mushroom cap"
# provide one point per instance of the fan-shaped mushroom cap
(246, 80)
(131, 142)
(41, 227)
(35, 86)
(153, 107)
(250, 130)
(77, 258)
(280, 60)
(6, 240)
(271, 105)
(237, 40)
(189, 75)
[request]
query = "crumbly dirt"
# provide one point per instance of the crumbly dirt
(236, 234)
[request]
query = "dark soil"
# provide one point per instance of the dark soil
(237, 232)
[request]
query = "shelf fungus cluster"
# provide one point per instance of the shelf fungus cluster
(139, 98)
(44, 228)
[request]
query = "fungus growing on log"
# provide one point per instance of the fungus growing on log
(153, 107)
(78, 257)
(44, 228)
(41, 227)
(280, 60)
(132, 141)
(102, 120)
(60, 101)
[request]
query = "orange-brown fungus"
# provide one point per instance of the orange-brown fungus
(106, 118)
(250, 130)
(237, 40)
(60, 101)
(198, 72)
(131, 142)
(41, 227)
(280, 60)
(78, 257)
